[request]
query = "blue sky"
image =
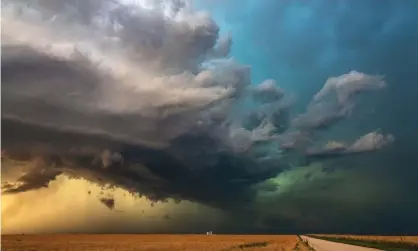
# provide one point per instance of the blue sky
(301, 43)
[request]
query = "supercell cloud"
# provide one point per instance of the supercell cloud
(146, 96)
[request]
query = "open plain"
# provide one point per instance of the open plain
(131, 242)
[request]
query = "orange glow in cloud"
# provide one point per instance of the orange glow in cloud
(70, 205)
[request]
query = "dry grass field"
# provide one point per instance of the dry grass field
(97, 242)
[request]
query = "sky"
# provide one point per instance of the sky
(188, 116)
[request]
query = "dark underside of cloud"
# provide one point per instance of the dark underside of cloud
(153, 173)
(147, 99)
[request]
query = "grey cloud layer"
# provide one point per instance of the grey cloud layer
(147, 99)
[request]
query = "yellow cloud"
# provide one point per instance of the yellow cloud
(72, 205)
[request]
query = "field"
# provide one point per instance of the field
(390, 243)
(97, 242)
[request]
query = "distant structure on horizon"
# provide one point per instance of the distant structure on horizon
(209, 233)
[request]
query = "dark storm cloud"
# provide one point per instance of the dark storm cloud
(31, 181)
(301, 43)
(108, 202)
(147, 100)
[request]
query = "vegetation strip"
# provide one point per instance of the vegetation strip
(302, 245)
(379, 244)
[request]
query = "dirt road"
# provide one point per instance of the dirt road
(321, 245)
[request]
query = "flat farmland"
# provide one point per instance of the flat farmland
(130, 242)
